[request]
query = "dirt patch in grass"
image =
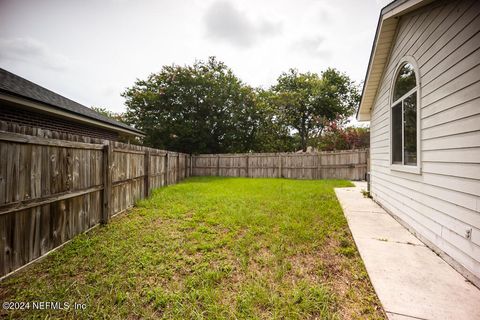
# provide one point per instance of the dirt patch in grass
(210, 248)
(344, 272)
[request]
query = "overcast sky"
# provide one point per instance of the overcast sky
(90, 51)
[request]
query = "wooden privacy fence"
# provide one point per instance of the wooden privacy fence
(52, 190)
(348, 164)
(54, 186)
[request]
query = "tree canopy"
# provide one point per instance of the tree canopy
(200, 108)
(307, 102)
(205, 108)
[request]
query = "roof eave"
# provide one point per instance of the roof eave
(46, 108)
(385, 35)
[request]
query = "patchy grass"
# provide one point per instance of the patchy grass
(210, 248)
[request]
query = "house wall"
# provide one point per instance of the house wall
(30, 118)
(442, 202)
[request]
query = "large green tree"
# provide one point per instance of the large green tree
(271, 133)
(203, 108)
(307, 102)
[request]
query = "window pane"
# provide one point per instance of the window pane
(410, 129)
(405, 81)
(397, 133)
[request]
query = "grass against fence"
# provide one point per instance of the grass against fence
(210, 248)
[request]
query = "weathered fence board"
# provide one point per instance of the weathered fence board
(52, 190)
(347, 164)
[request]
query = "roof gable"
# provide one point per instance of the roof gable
(383, 42)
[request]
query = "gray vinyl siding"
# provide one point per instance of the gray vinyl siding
(443, 200)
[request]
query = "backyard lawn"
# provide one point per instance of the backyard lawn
(210, 248)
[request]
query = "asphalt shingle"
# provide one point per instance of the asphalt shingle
(12, 84)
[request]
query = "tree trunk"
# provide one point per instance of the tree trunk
(303, 135)
(303, 142)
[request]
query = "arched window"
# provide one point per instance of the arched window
(404, 110)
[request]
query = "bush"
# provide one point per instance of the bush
(338, 138)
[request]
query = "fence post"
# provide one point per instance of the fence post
(248, 158)
(191, 166)
(185, 163)
(185, 166)
(146, 171)
(165, 169)
(107, 181)
(280, 165)
(218, 165)
(178, 168)
(319, 166)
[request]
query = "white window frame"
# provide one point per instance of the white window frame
(416, 169)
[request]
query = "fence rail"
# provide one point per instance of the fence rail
(348, 164)
(52, 190)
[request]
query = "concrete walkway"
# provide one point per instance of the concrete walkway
(411, 281)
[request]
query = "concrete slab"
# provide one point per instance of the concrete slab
(350, 196)
(360, 184)
(378, 226)
(411, 281)
(394, 316)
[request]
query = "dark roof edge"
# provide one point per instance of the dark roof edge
(392, 5)
(20, 87)
(121, 126)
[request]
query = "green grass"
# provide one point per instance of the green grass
(210, 248)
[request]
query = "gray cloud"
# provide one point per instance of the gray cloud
(226, 23)
(312, 46)
(324, 16)
(31, 51)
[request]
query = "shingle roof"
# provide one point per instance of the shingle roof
(12, 84)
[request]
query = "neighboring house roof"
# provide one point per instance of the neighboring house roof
(384, 39)
(11, 84)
